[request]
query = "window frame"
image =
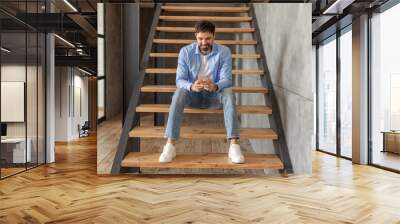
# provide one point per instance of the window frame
(334, 37)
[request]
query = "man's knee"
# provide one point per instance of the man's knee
(228, 95)
(227, 90)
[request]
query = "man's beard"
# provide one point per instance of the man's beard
(205, 48)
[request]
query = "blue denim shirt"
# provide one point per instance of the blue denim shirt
(219, 62)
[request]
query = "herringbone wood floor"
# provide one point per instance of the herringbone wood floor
(69, 191)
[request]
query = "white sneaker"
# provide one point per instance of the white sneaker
(235, 154)
(168, 153)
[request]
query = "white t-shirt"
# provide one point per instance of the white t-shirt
(204, 72)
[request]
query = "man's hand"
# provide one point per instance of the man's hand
(209, 85)
(197, 86)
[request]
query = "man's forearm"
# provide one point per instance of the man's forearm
(183, 84)
(222, 84)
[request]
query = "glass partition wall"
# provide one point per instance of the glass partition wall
(385, 89)
(345, 61)
(334, 90)
(22, 98)
(327, 95)
(334, 94)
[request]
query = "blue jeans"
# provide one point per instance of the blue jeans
(204, 99)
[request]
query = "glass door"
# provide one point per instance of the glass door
(385, 89)
(327, 96)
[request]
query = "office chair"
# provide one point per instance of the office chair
(84, 130)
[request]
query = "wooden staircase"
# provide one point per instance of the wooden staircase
(129, 154)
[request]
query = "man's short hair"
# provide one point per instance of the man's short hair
(205, 26)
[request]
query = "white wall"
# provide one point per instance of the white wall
(70, 83)
(80, 84)
(61, 103)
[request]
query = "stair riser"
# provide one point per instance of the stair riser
(227, 19)
(175, 55)
(173, 72)
(204, 133)
(192, 9)
(185, 42)
(192, 30)
(208, 137)
(203, 111)
(173, 88)
(202, 161)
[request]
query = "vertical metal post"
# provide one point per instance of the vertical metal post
(1, 161)
(338, 77)
(317, 97)
(369, 89)
(130, 54)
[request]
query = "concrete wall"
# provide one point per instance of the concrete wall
(360, 90)
(62, 81)
(113, 51)
(286, 35)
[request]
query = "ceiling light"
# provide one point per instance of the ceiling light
(5, 50)
(70, 5)
(79, 51)
(64, 40)
(84, 71)
(338, 6)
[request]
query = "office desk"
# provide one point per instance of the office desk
(13, 150)
(391, 141)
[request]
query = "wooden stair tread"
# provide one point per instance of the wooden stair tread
(204, 9)
(204, 160)
(175, 55)
(209, 18)
(234, 71)
(189, 41)
(164, 108)
(217, 30)
(172, 88)
(204, 133)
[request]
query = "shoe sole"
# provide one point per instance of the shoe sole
(167, 161)
(235, 162)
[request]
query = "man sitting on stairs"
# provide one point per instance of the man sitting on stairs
(203, 80)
